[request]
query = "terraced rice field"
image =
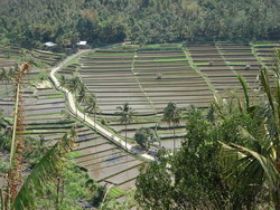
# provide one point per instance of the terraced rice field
(108, 75)
(165, 76)
(221, 63)
(104, 161)
(147, 78)
(47, 120)
(265, 53)
(45, 58)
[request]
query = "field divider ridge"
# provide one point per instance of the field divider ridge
(196, 69)
(139, 83)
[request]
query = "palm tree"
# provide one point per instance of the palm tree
(73, 86)
(82, 97)
(4, 77)
(126, 116)
(171, 116)
(157, 136)
(260, 163)
(91, 107)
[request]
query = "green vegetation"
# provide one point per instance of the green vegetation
(142, 21)
(229, 160)
(171, 116)
(223, 156)
(145, 137)
(126, 116)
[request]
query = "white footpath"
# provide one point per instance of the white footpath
(102, 130)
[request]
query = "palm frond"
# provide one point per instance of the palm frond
(246, 134)
(274, 103)
(245, 90)
(248, 156)
(43, 172)
(278, 97)
(267, 89)
(218, 105)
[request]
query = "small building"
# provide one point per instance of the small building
(50, 44)
(82, 44)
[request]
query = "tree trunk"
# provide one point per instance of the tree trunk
(169, 128)
(17, 150)
(84, 114)
(7, 93)
(94, 121)
(126, 135)
(6, 85)
(62, 189)
(174, 140)
(57, 194)
(76, 105)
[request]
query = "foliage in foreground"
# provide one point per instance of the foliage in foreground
(54, 182)
(229, 160)
(196, 176)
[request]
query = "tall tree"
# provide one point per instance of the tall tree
(74, 86)
(172, 117)
(91, 107)
(82, 97)
(4, 78)
(126, 116)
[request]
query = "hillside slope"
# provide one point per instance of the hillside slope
(30, 23)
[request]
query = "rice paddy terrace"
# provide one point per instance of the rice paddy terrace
(47, 119)
(145, 77)
(151, 76)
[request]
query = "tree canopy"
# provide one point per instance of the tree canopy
(31, 23)
(229, 160)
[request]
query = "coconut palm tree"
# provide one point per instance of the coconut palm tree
(73, 86)
(172, 117)
(91, 106)
(4, 77)
(11, 75)
(259, 164)
(82, 97)
(157, 136)
(126, 116)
